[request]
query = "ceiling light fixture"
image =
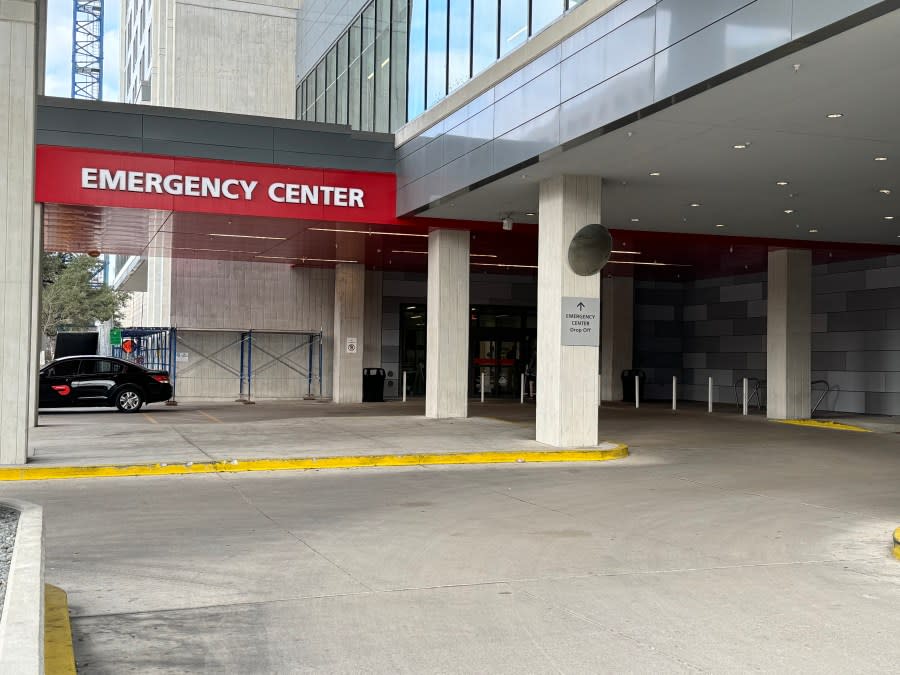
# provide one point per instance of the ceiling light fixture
(638, 262)
(881, 159)
(655, 173)
(782, 183)
(626, 252)
(247, 236)
(789, 211)
(212, 250)
(635, 220)
(530, 214)
(889, 217)
(885, 191)
(328, 260)
(835, 116)
(528, 267)
(695, 204)
(383, 234)
(813, 230)
(720, 225)
(278, 257)
(741, 146)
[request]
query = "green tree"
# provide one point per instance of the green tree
(74, 295)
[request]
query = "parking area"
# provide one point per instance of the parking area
(723, 544)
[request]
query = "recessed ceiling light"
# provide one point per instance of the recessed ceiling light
(635, 220)
(655, 173)
(530, 214)
(695, 204)
(782, 183)
(889, 217)
(789, 211)
(381, 234)
(247, 236)
(720, 225)
(885, 191)
(813, 230)
(835, 116)
(881, 159)
(741, 146)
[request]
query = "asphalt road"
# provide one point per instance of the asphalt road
(714, 554)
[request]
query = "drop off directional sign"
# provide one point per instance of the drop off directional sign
(581, 322)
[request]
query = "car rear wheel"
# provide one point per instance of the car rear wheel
(129, 401)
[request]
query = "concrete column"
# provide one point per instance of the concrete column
(566, 376)
(617, 340)
(373, 320)
(349, 297)
(18, 294)
(789, 334)
(447, 359)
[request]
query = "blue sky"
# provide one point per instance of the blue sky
(59, 49)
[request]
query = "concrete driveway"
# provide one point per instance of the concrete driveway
(727, 547)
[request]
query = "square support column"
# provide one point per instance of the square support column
(567, 391)
(349, 297)
(21, 238)
(447, 361)
(617, 340)
(789, 338)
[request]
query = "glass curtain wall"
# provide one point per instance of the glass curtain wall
(400, 57)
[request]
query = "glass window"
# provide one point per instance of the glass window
(63, 368)
(416, 76)
(99, 367)
(330, 82)
(320, 91)
(484, 35)
(382, 65)
(367, 107)
(310, 82)
(543, 12)
(513, 24)
(436, 82)
(341, 111)
(299, 107)
(399, 32)
(354, 73)
(460, 58)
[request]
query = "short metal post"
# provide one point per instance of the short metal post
(482, 386)
(710, 394)
(674, 393)
(637, 392)
(404, 386)
(522, 390)
(249, 367)
(746, 396)
(531, 388)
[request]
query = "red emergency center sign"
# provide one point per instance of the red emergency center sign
(138, 181)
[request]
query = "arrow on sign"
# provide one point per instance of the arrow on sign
(581, 306)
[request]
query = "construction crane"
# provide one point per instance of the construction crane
(87, 49)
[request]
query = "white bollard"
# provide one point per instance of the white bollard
(404, 386)
(746, 396)
(482, 386)
(531, 389)
(637, 392)
(710, 394)
(674, 393)
(522, 390)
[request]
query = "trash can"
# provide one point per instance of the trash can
(628, 384)
(373, 385)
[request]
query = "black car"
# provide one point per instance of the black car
(84, 381)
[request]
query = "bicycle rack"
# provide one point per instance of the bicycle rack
(828, 390)
(755, 384)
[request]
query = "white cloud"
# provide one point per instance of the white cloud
(59, 49)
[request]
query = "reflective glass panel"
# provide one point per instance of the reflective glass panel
(320, 91)
(399, 32)
(484, 35)
(382, 65)
(460, 54)
(543, 12)
(367, 100)
(416, 76)
(436, 87)
(341, 111)
(354, 70)
(330, 82)
(310, 115)
(513, 24)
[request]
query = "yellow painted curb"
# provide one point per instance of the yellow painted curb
(59, 655)
(820, 424)
(896, 549)
(308, 463)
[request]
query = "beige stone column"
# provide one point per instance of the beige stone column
(19, 230)
(567, 388)
(447, 359)
(617, 340)
(789, 334)
(349, 298)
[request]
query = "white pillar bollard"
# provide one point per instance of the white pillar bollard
(404, 386)
(522, 390)
(637, 392)
(482, 386)
(710, 394)
(746, 396)
(674, 393)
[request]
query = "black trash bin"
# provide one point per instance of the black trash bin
(628, 384)
(373, 385)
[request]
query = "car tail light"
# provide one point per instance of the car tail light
(162, 379)
(62, 389)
